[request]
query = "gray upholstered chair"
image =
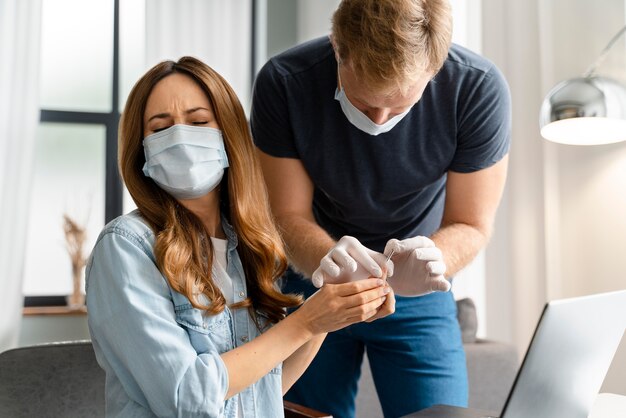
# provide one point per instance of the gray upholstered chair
(491, 369)
(51, 380)
(64, 380)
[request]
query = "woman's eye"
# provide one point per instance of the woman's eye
(160, 128)
(200, 122)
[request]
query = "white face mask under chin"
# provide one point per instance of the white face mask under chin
(361, 121)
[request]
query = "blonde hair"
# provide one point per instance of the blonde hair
(391, 43)
(183, 249)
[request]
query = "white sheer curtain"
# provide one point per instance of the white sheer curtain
(215, 31)
(516, 257)
(20, 23)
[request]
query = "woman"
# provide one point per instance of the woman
(184, 311)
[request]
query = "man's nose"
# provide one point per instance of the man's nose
(379, 115)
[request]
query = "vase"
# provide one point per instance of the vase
(76, 299)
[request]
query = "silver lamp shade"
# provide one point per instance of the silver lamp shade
(585, 111)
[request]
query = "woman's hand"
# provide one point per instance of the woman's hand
(336, 306)
(386, 308)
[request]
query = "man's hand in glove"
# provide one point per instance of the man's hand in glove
(347, 261)
(418, 267)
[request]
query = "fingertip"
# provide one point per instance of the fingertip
(328, 266)
(317, 280)
(376, 271)
(392, 245)
(437, 268)
(443, 285)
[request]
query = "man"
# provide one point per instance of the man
(370, 141)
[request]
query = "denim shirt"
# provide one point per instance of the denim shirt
(160, 354)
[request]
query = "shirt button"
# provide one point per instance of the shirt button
(244, 338)
(204, 325)
(241, 294)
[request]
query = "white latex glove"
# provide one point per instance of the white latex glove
(419, 267)
(349, 261)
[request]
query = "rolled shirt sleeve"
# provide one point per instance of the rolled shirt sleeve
(137, 340)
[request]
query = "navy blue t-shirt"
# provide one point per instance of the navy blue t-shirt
(392, 185)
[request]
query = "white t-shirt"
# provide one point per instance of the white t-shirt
(218, 273)
(220, 277)
(225, 283)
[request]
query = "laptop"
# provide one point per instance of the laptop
(565, 364)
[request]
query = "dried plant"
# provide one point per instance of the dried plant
(75, 237)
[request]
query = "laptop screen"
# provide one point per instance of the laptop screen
(568, 357)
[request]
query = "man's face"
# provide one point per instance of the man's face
(380, 107)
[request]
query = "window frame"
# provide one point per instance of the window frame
(113, 192)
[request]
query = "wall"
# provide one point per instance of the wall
(282, 25)
(291, 22)
(37, 329)
(560, 231)
(516, 255)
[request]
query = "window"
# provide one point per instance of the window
(76, 143)
(92, 54)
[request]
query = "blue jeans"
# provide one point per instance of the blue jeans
(416, 357)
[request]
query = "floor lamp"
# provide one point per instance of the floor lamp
(586, 110)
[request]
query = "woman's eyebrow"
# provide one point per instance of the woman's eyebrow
(195, 109)
(167, 115)
(159, 116)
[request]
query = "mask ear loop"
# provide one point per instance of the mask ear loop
(338, 59)
(339, 86)
(332, 43)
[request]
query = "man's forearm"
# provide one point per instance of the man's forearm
(459, 243)
(306, 242)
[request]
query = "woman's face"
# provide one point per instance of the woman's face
(177, 100)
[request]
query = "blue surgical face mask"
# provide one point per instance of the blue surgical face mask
(360, 120)
(186, 161)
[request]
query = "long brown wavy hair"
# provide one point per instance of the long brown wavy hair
(183, 250)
